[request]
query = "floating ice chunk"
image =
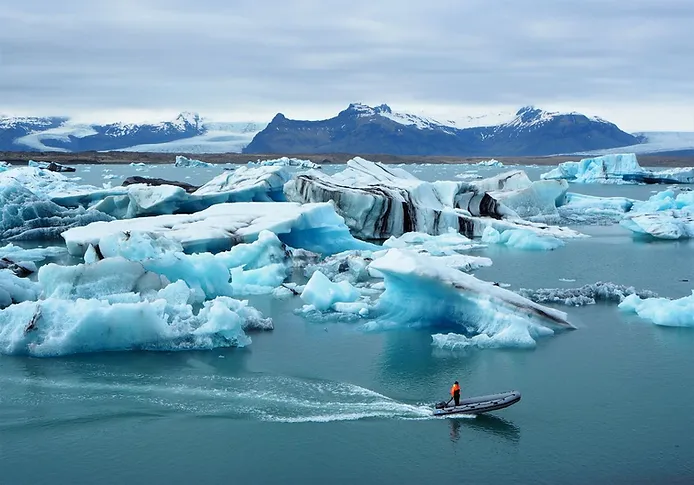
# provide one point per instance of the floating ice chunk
(55, 327)
(314, 227)
(262, 184)
(605, 169)
(112, 276)
(323, 293)
(521, 239)
(378, 201)
(182, 161)
(505, 181)
(511, 336)
(351, 266)
(584, 295)
(445, 244)
(138, 164)
(4, 166)
(42, 183)
(253, 268)
(587, 209)
(539, 200)
(26, 216)
(421, 291)
(18, 254)
(287, 162)
(662, 311)
(14, 289)
(670, 224)
(490, 163)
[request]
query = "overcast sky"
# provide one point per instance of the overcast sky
(630, 61)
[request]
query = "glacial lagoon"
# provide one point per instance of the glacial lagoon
(327, 401)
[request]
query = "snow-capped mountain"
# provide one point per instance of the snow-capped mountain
(369, 130)
(188, 132)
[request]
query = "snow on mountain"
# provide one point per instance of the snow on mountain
(61, 133)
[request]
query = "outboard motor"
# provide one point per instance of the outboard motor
(440, 405)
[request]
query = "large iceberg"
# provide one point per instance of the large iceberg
(616, 169)
(54, 327)
(286, 162)
(421, 291)
(588, 209)
(663, 216)
(262, 184)
(378, 201)
(315, 227)
(662, 311)
(25, 215)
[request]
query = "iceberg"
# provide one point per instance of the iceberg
(378, 201)
(323, 294)
(529, 200)
(669, 224)
(444, 244)
(587, 209)
(182, 161)
(287, 162)
(662, 311)
(585, 295)
(4, 166)
(18, 254)
(262, 184)
(521, 239)
(421, 291)
(621, 168)
(55, 327)
(27, 216)
(314, 227)
(14, 289)
(351, 266)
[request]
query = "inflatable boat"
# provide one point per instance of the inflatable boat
(479, 405)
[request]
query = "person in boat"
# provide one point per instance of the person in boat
(455, 392)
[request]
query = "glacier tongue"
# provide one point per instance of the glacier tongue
(439, 296)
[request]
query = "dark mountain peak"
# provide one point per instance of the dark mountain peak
(279, 118)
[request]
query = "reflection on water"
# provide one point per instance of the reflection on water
(487, 423)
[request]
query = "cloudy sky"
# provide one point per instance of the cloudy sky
(630, 61)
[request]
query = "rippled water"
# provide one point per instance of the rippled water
(332, 403)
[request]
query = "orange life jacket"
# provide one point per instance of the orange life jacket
(455, 388)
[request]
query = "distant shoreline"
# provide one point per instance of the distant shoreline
(125, 158)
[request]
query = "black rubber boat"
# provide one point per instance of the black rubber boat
(479, 405)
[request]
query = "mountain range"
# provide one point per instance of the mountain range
(359, 129)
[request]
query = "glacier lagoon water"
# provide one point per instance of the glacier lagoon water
(329, 403)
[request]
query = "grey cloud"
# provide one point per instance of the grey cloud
(273, 55)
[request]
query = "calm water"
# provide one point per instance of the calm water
(329, 403)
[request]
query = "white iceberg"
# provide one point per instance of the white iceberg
(315, 227)
(662, 311)
(262, 184)
(490, 163)
(621, 168)
(182, 161)
(521, 239)
(287, 162)
(378, 201)
(55, 327)
(669, 224)
(421, 291)
(14, 289)
(588, 209)
(4, 166)
(323, 294)
(18, 254)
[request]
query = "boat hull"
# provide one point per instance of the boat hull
(480, 404)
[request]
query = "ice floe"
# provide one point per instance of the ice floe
(14, 289)
(521, 239)
(287, 162)
(182, 161)
(662, 311)
(585, 295)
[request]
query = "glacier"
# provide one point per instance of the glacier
(56, 327)
(314, 227)
(378, 201)
(662, 311)
(440, 297)
(588, 294)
